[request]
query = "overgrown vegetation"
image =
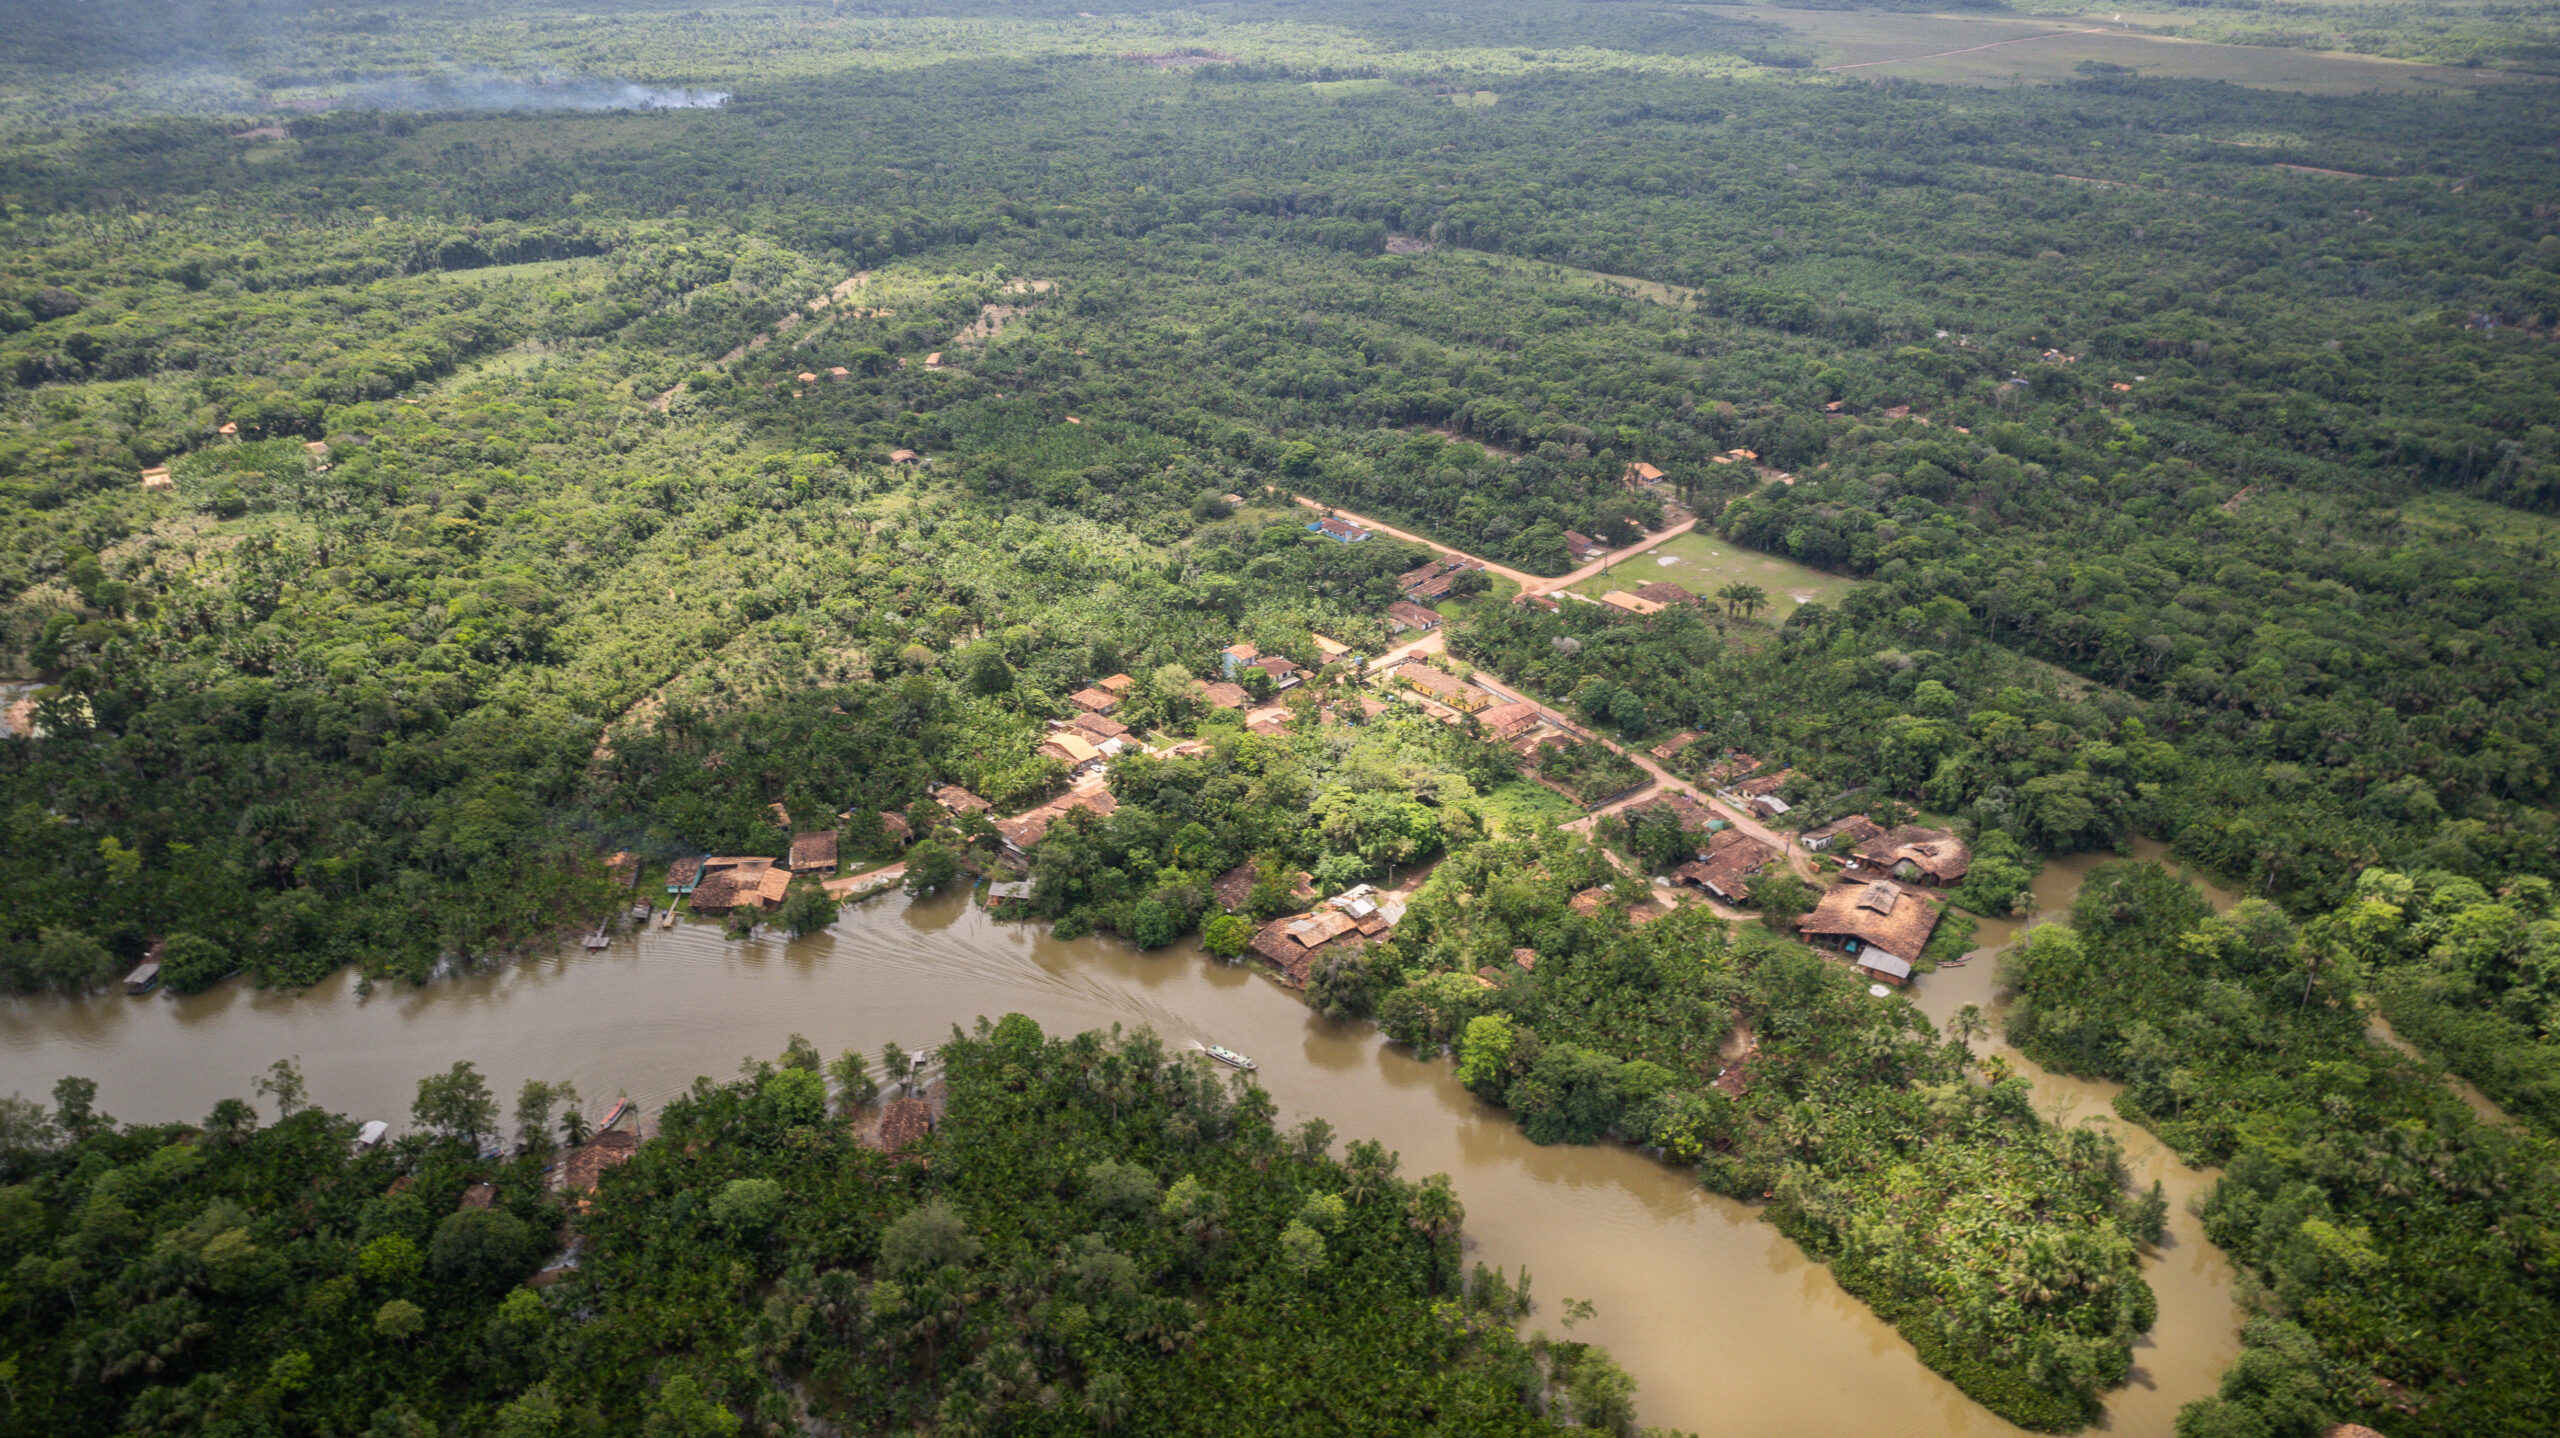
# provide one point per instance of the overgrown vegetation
(1098, 1237)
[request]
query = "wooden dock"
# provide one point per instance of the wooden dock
(598, 939)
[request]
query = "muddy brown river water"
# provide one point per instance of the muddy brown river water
(1729, 1329)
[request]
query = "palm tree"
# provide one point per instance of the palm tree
(1106, 1401)
(1749, 598)
(1966, 1025)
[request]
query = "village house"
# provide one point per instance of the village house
(1018, 836)
(1506, 722)
(1731, 767)
(1732, 857)
(955, 800)
(742, 888)
(1626, 603)
(1695, 819)
(1097, 729)
(1069, 748)
(1665, 593)
(1670, 748)
(1547, 602)
(1404, 614)
(902, 456)
(583, 1167)
(1437, 684)
(1761, 793)
(1118, 685)
(1640, 474)
(1269, 723)
(1094, 701)
(683, 874)
(1222, 694)
(1849, 832)
(903, 1122)
(1329, 650)
(1590, 902)
(1880, 925)
(1283, 670)
(814, 853)
(157, 477)
(1916, 855)
(1235, 656)
(1583, 547)
(1292, 944)
(1340, 529)
(895, 826)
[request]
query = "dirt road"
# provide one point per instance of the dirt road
(1529, 583)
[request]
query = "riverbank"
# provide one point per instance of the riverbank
(1725, 1323)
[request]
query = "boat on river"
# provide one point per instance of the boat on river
(620, 1108)
(1228, 1056)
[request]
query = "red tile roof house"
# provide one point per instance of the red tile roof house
(1583, 546)
(1222, 694)
(1094, 701)
(1506, 722)
(1405, 614)
(1341, 529)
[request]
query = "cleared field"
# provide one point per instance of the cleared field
(1705, 563)
(2015, 49)
(1516, 807)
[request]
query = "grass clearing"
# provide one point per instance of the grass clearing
(1704, 563)
(1516, 807)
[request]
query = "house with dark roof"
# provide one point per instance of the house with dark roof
(1847, 832)
(1665, 750)
(1097, 728)
(1222, 694)
(1582, 546)
(1019, 835)
(955, 800)
(683, 874)
(1915, 855)
(1283, 670)
(1732, 858)
(814, 853)
(1234, 887)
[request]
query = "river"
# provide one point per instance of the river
(1728, 1328)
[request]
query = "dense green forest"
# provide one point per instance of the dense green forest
(1097, 1237)
(533, 493)
(2402, 1245)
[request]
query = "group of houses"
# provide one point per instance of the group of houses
(1881, 913)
